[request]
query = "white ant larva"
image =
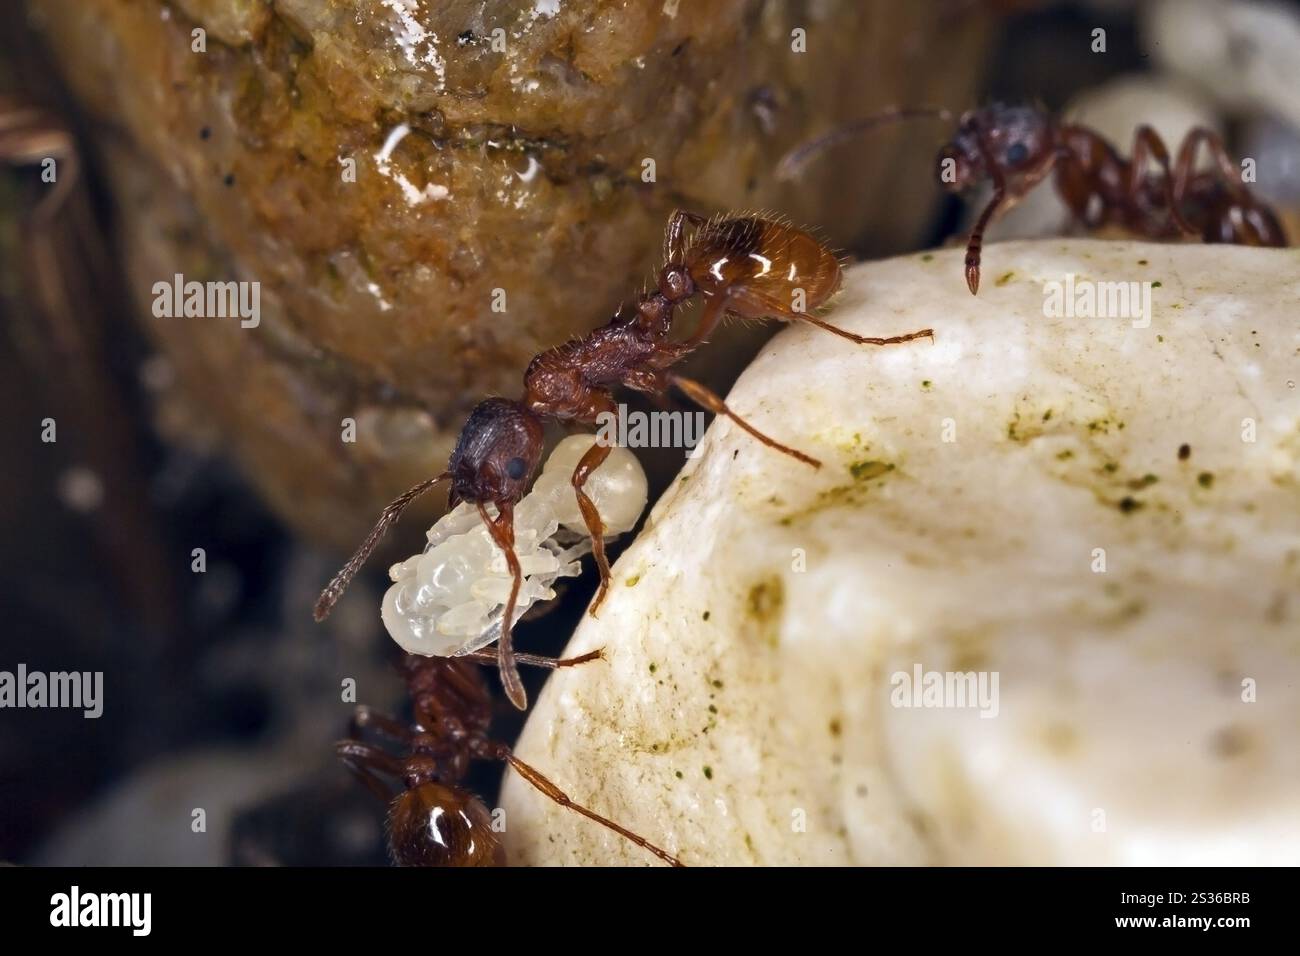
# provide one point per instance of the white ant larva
(449, 599)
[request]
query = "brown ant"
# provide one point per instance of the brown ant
(433, 820)
(752, 267)
(1016, 147)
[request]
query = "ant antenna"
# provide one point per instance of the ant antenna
(334, 590)
(793, 163)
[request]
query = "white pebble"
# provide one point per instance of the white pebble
(1139, 662)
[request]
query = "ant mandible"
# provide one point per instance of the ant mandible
(752, 267)
(433, 820)
(1016, 147)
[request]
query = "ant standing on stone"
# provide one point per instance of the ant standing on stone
(752, 267)
(1016, 147)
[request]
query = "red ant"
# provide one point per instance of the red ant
(1018, 146)
(433, 820)
(753, 267)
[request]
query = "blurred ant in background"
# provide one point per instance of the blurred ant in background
(433, 820)
(1016, 147)
(752, 267)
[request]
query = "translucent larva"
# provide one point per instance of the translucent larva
(449, 599)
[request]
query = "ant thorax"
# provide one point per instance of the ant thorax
(449, 599)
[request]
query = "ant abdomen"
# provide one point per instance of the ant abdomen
(764, 267)
(437, 825)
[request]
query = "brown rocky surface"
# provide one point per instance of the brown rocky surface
(521, 171)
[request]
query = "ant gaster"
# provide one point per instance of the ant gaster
(433, 820)
(752, 267)
(1016, 147)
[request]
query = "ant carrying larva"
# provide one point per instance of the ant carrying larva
(450, 599)
(1017, 147)
(753, 267)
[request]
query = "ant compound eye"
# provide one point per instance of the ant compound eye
(1017, 153)
(515, 468)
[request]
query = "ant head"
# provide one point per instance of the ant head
(675, 282)
(436, 825)
(1017, 141)
(497, 454)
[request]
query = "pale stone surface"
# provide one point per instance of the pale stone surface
(742, 697)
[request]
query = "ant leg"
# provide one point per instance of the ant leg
(533, 660)
(365, 718)
(866, 340)
(705, 398)
(714, 309)
(677, 224)
(790, 315)
(538, 780)
(366, 763)
(1185, 166)
(1148, 144)
(334, 590)
(647, 381)
(1261, 227)
(976, 241)
(1258, 225)
(503, 533)
(595, 457)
